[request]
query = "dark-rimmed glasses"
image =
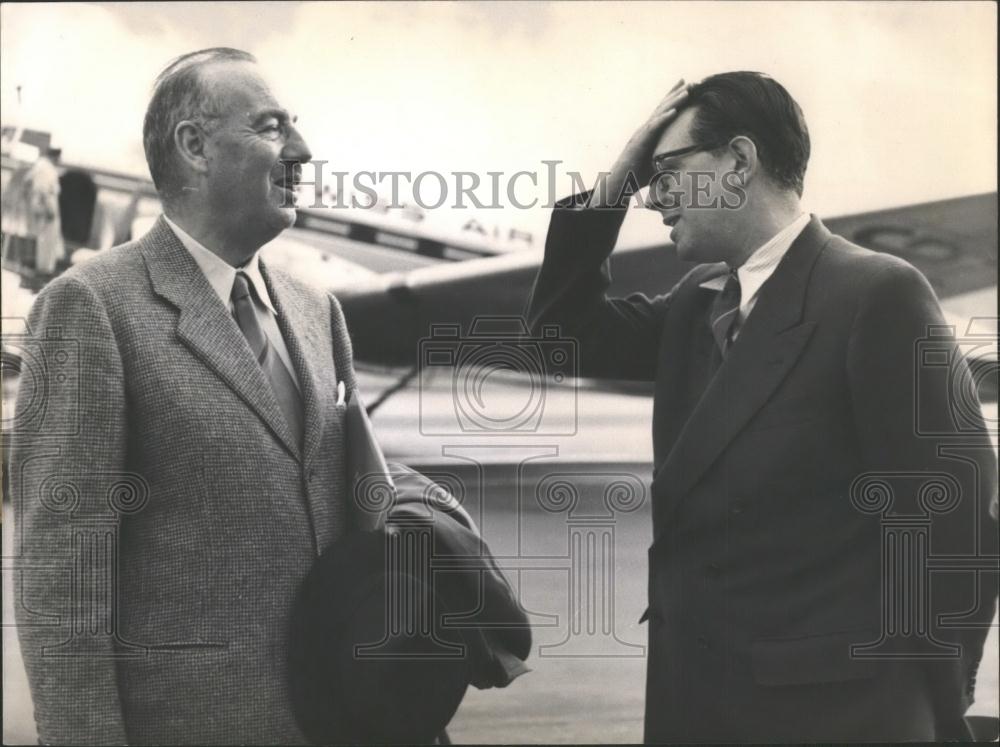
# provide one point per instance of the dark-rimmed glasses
(658, 161)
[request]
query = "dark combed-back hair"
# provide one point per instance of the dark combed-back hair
(179, 94)
(758, 107)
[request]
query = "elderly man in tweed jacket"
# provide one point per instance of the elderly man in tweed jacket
(191, 464)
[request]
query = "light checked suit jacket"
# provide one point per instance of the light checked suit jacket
(164, 464)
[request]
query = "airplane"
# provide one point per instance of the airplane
(952, 242)
(391, 273)
(409, 293)
(397, 318)
(403, 287)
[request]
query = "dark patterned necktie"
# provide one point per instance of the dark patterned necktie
(277, 373)
(725, 312)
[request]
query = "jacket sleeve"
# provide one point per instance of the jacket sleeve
(617, 337)
(918, 416)
(68, 454)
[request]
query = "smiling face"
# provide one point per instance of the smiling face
(249, 182)
(693, 197)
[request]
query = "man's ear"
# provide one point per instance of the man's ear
(744, 152)
(189, 139)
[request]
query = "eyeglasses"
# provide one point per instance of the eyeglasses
(664, 188)
(658, 161)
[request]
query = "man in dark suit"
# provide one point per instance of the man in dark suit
(787, 395)
(191, 467)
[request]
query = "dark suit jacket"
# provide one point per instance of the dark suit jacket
(168, 433)
(764, 571)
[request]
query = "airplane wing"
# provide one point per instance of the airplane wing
(398, 281)
(953, 242)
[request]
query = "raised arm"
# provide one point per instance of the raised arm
(618, 337)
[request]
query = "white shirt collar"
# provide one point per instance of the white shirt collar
(219, 273)
(761, 264)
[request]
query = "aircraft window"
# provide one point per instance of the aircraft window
(304, 220)
(455, 253)
(395, 240)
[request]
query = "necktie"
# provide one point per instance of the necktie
(725, 312)
(281, 380)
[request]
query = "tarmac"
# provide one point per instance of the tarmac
(582, 689)
(535, 496)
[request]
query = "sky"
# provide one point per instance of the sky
(900, 97)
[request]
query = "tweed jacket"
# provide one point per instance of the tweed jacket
(778, 472)
(165, 513)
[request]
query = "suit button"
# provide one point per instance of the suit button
(712, 570)
(311, 475)
(702, 643)
(736, 509)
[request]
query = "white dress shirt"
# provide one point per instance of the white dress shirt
(759, 267)
(221, 275)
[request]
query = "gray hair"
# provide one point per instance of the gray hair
(179, 94)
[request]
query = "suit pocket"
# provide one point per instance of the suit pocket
(811, 659)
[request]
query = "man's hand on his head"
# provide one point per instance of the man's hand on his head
(634, 168)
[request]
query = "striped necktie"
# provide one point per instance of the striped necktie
(725, 312)
(277, 373)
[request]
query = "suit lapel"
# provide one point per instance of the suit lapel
(767, 347)
(208, 330)
(303, 347)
